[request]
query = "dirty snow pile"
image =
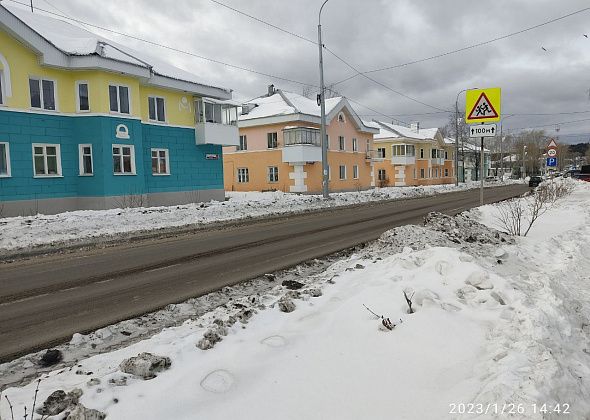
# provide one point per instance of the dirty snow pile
(29, 231)
(500, 328)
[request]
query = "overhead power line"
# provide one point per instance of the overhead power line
(469, 47)
(329, 51)
(147, 41)
(551, 124)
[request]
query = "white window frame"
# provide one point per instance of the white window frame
(119, 86)
(81, 160)
(2, 87)
(381, 177)
(155, 98)
(243, 175)
(55, 98)
(166, 158)
(133, 168)
(341, 117)
(446, 172)
(58, 159)
(340, 172)
(8, 173)
(341, 143)
(421, 153)
(422, 173)
(355, 145)
(245, 143)
(273, 176)
(379, 152)
(77, 93)
(275, 137)
(355, 172)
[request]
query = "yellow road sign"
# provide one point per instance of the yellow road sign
(483, 105)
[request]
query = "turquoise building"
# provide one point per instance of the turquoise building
(86, 123)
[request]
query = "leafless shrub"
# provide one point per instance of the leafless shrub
(386, 322)
(131, 200)
(518, 215)
(382, 182)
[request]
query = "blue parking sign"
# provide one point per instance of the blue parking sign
(552, 161)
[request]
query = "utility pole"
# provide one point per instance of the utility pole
(32, 6)
(457, 140)
(324, 143)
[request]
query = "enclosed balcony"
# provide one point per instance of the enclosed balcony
(216, 122)
(403, 154)
(437, 157)
(301, 144)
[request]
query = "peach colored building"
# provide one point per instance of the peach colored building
(280, 146)
(412, 156)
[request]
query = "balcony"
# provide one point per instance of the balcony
(437, 161)
(217, 122)
(302, 144)
(403, 160)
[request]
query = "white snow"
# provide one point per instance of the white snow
(522, 337)
(25, 232)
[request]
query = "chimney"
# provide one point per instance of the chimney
(246, 108)
(415, 127)
(271, 90)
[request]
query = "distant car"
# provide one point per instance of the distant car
(584, 174)
(534, 181)
(571, 173)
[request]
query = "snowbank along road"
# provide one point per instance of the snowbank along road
(45, 300)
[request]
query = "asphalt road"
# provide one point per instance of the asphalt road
(44, 300)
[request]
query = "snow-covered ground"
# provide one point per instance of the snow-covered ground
(501, 327)
(26, 232)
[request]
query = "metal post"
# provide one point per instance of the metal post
(481, 162)
(325, 187)
(32, 6)
(457, 141)
(501, 154)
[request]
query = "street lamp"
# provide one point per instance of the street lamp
(457, 139)
(325, 188)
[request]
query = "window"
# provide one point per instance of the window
(381, 152)
(433, 153)
(85, 159)
(414, 173)
(160, 164)
(156, 109)
(82, 96)
(410, 150)
(341, 143)
(123, 160)
(272, 140)
(119, 99)
(4, 160)
(273, 174)
(1, 87)
(243, 175)
(422, 173)
(446, 172)
(422, 154)
(216, 113)
(355, 145)
(446, 155)
(341, 117)
(342, 172)
(46, 160)
(355, 172)
(42, 94)
(243, 143)
(381, 175)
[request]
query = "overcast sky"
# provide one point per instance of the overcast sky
(372, 34)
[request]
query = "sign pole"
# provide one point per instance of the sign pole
(482, 171)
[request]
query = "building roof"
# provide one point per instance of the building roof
(388, 130)
(266, 109)
(78, 45)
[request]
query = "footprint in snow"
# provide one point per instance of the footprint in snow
(218, 381)
(275, 341)
(442, 267)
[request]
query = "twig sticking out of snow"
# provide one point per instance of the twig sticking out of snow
(10, 405)
(385, 321)
(409, 302)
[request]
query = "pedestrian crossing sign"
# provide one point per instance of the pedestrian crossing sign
(482, 105)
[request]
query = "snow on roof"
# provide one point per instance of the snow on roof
(388, 130)
(287, 103)
(73, 40)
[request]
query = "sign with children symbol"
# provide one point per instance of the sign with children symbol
(482, 105)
